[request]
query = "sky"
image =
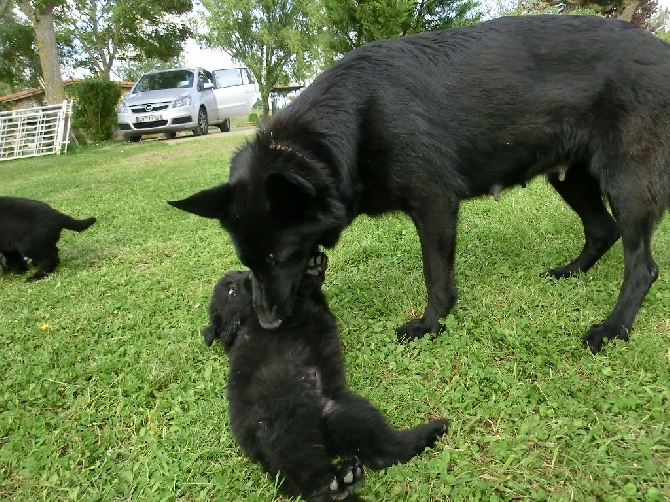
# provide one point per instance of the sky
(207, 58)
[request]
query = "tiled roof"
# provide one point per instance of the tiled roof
(26, 93)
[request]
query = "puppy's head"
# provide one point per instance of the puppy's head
(229, 307)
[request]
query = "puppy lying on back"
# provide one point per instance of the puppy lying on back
(290, 409)
(31, 229)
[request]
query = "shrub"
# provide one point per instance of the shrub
(94, 112)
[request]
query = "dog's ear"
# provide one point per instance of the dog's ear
(289, 194)
(210, 203)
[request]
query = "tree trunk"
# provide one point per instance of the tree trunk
(265, 98)
(45, 40)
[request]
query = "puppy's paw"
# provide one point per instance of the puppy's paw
(317, 264)
(434, 431)
(348, 475)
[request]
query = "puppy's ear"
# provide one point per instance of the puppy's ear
(210, 203)
(289, 194)
(209, 335)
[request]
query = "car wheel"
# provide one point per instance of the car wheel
(132, 139)
(203, 123)
(225, 125)
(170, 135)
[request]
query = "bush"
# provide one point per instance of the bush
(94, 112)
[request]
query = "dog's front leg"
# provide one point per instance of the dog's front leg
(436, 224)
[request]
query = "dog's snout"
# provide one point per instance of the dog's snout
(270, 324)
(268, 320)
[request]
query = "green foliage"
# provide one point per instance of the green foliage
(534, 7)
(639, 12)
(357, 22)
(131, 70)
(19, 61)
(275, 39)
(109, 393)
(131, 30)
(95, 107)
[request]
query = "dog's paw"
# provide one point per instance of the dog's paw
(560, 273)
(594, 337)
(348, 475)
(414, 329)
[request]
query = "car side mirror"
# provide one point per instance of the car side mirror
(207, 85)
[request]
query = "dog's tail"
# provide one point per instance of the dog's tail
(77, 225)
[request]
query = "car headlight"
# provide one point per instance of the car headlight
(181, 101)
(123, 108)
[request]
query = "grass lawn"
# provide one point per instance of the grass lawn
(109, 393)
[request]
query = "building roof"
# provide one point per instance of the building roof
(26, 93)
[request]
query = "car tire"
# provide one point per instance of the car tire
(170, 135)
(132, 139)
(203, 124)
(225, 125)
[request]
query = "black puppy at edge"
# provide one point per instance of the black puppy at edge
(31, 229)
(290, 409)
(420, 123)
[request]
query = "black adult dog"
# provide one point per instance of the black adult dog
(289, 405)
(31, 229)
(418, 124)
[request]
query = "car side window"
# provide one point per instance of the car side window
(204, 77)
(247, 77)
(228, 77)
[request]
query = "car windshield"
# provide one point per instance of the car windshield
(173, 79)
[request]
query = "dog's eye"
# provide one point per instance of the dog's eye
(231, 290)
(272, 261)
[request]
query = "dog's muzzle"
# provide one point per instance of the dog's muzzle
(274, 324)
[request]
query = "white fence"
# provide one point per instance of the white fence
(35, 131)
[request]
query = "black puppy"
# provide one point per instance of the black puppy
(289, 406)
(31, 229)
(419, 124)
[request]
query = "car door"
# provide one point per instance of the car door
(235, 92)
(206, 88)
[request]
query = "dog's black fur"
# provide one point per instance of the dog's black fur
(31, 229)
(290, 409)
(420, 123)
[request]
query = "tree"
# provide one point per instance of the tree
(19, 62)
(40, 13)
(357, 22)
(107, 31)
(276, 39)
(637, 12)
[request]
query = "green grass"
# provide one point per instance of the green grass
(108, 392)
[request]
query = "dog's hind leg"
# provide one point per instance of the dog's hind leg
(46, 259)
(290, 441)
(640, 271)
(582, 193)
(355, 427)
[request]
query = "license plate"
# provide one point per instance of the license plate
(148, 118)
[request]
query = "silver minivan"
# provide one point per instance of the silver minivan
(181, 99)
